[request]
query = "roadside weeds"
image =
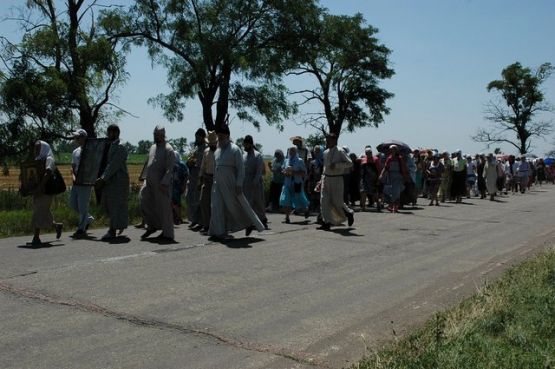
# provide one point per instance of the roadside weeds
(509, 323)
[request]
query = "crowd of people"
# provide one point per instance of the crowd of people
(224, 185)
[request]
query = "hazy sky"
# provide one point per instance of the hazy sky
(444, 53)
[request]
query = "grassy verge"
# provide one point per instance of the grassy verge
(16, 213)
(507, 324)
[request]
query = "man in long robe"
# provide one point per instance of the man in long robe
(336, 164)
(230, 211)
(193, 191)
(206, 178)
(156, 194)
(253, 185)
(114, 182)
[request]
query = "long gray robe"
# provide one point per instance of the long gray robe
(116, 189)
(253, 184)
(155, 204)
(331, 194)
(230, 212)
(207, 175)
(490, 175)
(193, 192)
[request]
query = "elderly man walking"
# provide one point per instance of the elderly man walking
(253, 185)
(206, 178)
(336, 163)
(156, 195)
(230, 211)
(114, 182)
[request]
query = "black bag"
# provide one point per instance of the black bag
(297, 187)
(55, 184)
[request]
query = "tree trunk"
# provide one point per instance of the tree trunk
(222, 106)
(87, 123)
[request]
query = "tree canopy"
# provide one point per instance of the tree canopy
(61, 75)
(230, 54)
(344, 57)
(520, 98)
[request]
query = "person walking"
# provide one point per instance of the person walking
(193, 190)
(433, 178)
(253, 184)
(369, 173)
(206, 179)
(179, 185)
(114, 183)
(540, 171)
(458, 187)
(292, 194)
(80, 195)
(446, 177)
(315, 169)
(394, 175)
(230, 210)
(490, 176)
(524, 173)
(156, 197)
(276, 183)
(470, 177)
(42, 202)
(481, 176)
(336, 163)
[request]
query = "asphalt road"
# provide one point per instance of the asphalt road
(290, 297)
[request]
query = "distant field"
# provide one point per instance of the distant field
(12, 181)
(65, 158)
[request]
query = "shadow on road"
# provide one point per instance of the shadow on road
(116, 240)
(44, 245)
(346, 232)
(161, 241)
(240, 243)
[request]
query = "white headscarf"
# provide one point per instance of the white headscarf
(45, 151)
(46, 154)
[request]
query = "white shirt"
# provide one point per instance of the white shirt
(76, 158)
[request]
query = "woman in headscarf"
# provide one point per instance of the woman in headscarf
(42, 216)
(394, 174)
(292, 193)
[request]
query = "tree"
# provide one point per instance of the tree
(316, 139)
(179, 144)
(239, 142)
(513, 113)
(143, 147)
(62, 73)
(226, 53)
(131, 149)
(344, 57)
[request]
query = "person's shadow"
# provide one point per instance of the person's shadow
(116, 240)
(237, 243)
(345, 232)
(43, 245)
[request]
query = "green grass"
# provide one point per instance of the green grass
(65, 158)
(16, 213)
(508, 324)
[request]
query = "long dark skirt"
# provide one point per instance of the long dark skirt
(458, 187)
